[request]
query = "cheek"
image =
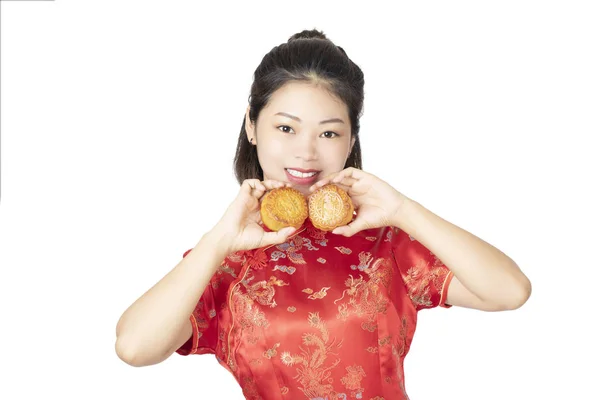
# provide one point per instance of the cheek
(334, 155)
(270, 153)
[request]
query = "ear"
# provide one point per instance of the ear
(249, 125)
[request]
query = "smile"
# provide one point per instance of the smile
(299, 174)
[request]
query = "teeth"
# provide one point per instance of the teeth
(300, 174)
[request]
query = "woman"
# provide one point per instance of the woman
(306, 313)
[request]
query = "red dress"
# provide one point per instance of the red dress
(321, 316)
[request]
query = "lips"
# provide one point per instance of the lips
(307, 180)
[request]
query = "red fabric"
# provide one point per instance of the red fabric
(321, 316)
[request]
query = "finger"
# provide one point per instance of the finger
(346, 181)
(278, 237)
(322, 182)
(350, 229)
(273, 184)
(253, 187)
(352, 172)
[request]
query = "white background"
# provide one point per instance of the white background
(119, 126)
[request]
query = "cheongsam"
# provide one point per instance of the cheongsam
(321, 316)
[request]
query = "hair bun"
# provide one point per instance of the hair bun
(308, 34)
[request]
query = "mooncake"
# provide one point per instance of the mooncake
(283, 207)
(330, 207)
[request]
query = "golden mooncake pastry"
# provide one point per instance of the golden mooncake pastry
(283, 207)
(330, 207)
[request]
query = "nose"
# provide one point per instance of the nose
(306, 148)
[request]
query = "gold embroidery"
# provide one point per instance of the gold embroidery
(314, 377)
(352, 380)
(399, 350)
(366, 297)
(291, 309)
(343, 250)
(245, 312)
(385, 340)
(418, 278)
(263, 291)
(249, 389)
(272, 352)
(293, 249)
(320, 294)
(307, 290)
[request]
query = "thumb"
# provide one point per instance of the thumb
(348, 230)
(277, 237)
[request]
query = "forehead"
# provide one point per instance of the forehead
(307, 101)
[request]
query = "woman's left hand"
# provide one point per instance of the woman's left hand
(377, 203)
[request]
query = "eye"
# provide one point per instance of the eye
(283, 130)
(331, 134)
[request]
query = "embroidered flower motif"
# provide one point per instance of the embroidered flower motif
(353, 377)
(271, 352)
(321, 260)
(286, 358)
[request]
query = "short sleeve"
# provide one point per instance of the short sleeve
(425, 276)
(205, 317)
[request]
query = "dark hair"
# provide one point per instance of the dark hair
(308, 56)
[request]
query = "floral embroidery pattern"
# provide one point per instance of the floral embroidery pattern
(352, 380)
(313, 375)
(272, 352)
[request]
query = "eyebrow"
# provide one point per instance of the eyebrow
(326, 121)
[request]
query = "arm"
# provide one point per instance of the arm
(486, 278)
(157, 324)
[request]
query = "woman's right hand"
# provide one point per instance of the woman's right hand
(239, 226)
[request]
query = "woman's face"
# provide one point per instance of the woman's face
(302, 135)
